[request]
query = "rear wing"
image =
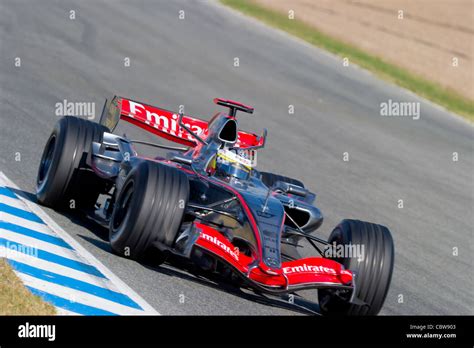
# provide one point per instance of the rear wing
(165, 123)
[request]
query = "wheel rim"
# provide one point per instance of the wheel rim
(46, 160)
(122, 206)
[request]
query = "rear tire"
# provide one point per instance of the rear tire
(373, 272)
(148, 209)
(269, 179)
(63, 174)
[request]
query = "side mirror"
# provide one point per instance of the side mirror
(289, 188)
(181, 159)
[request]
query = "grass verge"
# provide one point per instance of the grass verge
(15, 299)
(447, 98)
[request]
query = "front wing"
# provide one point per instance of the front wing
(312, 272)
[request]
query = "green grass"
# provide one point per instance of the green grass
(448, 98)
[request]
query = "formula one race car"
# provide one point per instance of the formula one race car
(207, 203)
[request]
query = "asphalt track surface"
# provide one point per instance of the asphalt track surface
(190, 62)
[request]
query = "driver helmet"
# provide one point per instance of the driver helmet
(237, 163)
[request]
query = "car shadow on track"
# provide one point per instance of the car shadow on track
(175, 267)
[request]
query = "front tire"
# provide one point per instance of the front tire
(63, 174)
(149, 208)
(373, 271)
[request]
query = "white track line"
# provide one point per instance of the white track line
(76, 296)
(35, 226)
(124, 288)
(39, 244)
(62, 311)
(33, 261)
